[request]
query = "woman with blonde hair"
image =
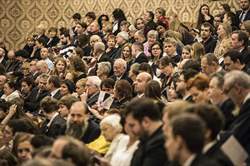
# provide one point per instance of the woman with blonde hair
(224, 32)
(127, 53)
(198, 51)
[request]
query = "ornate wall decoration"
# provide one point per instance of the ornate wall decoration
(18, 18)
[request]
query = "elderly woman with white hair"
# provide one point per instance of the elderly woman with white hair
(122, 146)
(112, 131)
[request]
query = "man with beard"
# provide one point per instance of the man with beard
(208, 41)
(185, 138)
(66, 48)
(80, 126)
(144, 119)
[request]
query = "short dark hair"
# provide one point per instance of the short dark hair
(91, 15)
(242, 36)
(211, 115)
(65, 33)
(189, 73)
(143, 107)
(68, 100)
(55, 80)
(123, 89)
(77, 16)
(165, 61)
(41, 41)
(108, 83)
(49, 104)
(22, 125)
(153, 90)
(191, 129)
(79, 155)
(82, 24)
(192, 64)
(29, 81)
(234, 55)
(207, 24)
(151, 14)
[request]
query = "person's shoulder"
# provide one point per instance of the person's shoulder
(202, 160)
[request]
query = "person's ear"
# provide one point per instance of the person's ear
(180, 142)
(208, 134)
(146, 122)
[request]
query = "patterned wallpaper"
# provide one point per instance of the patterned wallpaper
(19, 18)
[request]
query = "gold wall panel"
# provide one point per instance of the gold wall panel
(20, 17)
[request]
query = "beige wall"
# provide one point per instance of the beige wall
(20, 17)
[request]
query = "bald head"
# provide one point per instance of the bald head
(141, 81)
(78, 112)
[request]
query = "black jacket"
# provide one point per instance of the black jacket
(151, 151)
(32, 102)
(202, 160)
(52, 42)
(56, 128)
(240, 128)
(227, 108)
(216, 154)
(93, 132)
(141, 58)
(210, 45)
(238, 14)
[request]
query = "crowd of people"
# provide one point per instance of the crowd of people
(109, 92)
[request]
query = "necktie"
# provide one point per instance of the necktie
(242, 16)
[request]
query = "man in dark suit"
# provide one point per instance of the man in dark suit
(181, 84)
(237, 87)
(53, 86)
(92, 89)
(138, 54)
(207, 39)
(120, 70)
(240, 43)
(220, 99)
(54, 125)
(80, 126)
(53, 38)
(32, 103)
(185, 137)
(144, 118)
(244, 13)
(149, 22)
(214, 121)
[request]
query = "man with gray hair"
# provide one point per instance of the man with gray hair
(92, 89)
(237, 87)
(99, 56)
(120, 70)
(99, 52)
(121, 39)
